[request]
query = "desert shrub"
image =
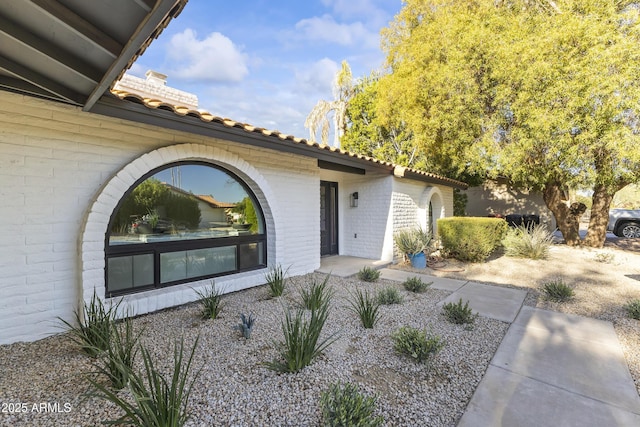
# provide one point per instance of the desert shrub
(414, 343)
(93, 326)
(366, 307)
(317, 295)
(633, 309)
(302, 341)
(558, 291)
(458, 313)
(469, 238)
(276, 280)
(343, 405)
(155, 399)
(368, 274)
(528, 242)
(211, 300)
(415, 284)
(389, 295)
(604, 257)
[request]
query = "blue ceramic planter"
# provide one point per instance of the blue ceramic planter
(418, 260)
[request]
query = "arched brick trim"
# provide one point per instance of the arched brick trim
(434, 196)
(92, 245)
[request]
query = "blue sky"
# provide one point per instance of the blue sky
(266, 62)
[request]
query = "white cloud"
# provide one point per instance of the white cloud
(215, 58)
(325, 28)
(317, 78)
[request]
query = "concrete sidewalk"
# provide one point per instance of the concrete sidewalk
(551, 369)
(555, 369)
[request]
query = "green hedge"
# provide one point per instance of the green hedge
(471, 239)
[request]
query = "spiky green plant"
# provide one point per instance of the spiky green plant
(343, 405)
(558, 291)
(117, 360)
(317, 294)
(368, 274)
(93, 326)
(156, 400)
(211, 300)
(458, 313)
(366, 307)
(415, 284)
(414, 343)
(276, 280)
(302, 343)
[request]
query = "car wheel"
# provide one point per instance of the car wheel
(629, 230)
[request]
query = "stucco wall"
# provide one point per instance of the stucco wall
(497, 197)
(61, 173)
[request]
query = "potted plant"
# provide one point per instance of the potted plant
(413, 242)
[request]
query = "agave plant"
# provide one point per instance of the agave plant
(246, 325)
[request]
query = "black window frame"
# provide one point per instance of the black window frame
(157, 248)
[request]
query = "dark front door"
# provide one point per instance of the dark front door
(328, 218)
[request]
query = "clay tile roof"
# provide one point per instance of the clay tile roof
(399, 171)
(213, 202)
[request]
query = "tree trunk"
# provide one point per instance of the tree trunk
(567, 217)
(597, 233)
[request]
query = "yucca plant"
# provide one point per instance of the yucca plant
(93, 326)
(276, 280)
(343, 405)
(388, 296)
(368, 274)
(317, 295)
(528, 242)
(117, 360)
(415, 284)
(211, 300)
(366, 307)
(302, 343)
(156, 400)
(558, 291)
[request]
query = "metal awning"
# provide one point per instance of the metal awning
(72, 51)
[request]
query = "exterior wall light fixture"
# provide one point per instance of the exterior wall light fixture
(354, 200)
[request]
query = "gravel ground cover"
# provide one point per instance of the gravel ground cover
(604, 281)
(234, 389)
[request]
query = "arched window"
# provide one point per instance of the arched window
(183, 222)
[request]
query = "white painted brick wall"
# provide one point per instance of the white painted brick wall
(55, 162)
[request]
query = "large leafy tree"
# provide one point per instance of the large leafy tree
(544, 92)
(366, 135)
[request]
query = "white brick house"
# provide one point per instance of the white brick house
(65, 168)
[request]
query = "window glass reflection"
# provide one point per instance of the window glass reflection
(186, 202)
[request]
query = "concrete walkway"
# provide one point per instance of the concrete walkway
(551, 369)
